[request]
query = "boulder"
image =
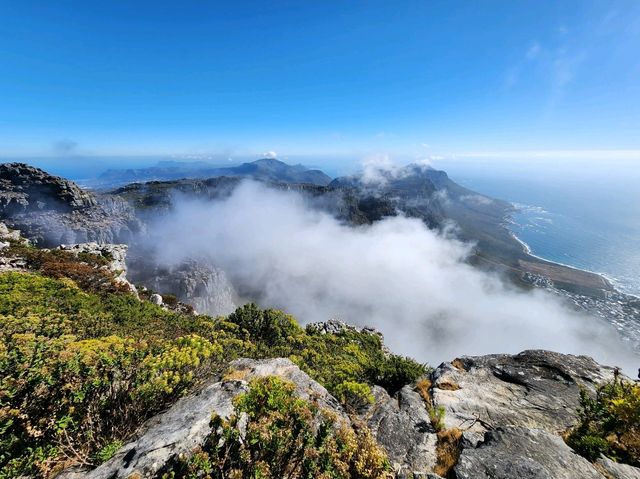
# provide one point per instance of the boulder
(614, 470)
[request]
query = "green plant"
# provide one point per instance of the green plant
(108, 451)
(609, 422)
(354, 395)
(83, 363)
(436, 415)
(283, 436)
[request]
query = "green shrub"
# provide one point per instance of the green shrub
(83, 364)
(609, 423)
(265, 326)
(355, 396)
(108, 451)
(396, 371)
(284, 437)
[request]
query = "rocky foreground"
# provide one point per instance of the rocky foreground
(509, 411)
(497, 416)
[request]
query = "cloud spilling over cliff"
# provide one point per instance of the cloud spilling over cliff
(396, 275)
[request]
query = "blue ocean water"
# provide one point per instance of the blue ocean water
(587, 217)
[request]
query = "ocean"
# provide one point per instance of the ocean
(585, 216)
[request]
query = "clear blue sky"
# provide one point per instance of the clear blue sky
(406, 78)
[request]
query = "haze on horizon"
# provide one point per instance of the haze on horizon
(326, 84)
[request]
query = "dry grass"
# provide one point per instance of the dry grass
(458, 364)
(423, 386)
(447, 451)
(448, 386)
(235, 375)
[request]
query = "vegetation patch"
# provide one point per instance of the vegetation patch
(609, 423)
(447, 451)
(83, 364)
(274, 434)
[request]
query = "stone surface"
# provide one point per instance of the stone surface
(156, 299)
(614, 470)
(537, 389)
(178, 431)
(204, 287)
(115, 253)
(516, 452)
(402, 427)
(50, 210)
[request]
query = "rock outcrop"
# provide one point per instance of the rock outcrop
(50, 210)
(185, 425)
(523, 453)
(116, 254)
(401, 425)
(511, 410)
(202, 286)
(25, 189)
(536, 389)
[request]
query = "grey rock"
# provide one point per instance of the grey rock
(536, 389)
(196, 283)
(516, 452)
(156, 299)
(614, 470)
(178, 431)
(335, 326)
(402, 427)
(25, 189)
(51, 210)
(115, 253)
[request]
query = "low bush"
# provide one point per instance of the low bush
(353, 395)
(283, 437)
(83, 364)
(609, 423)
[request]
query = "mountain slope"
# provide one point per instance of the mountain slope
(265, 169)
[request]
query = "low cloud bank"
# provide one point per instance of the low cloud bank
(396, 275)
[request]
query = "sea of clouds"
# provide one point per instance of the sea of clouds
(411, 283)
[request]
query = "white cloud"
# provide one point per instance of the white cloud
(396, 275)
(270, 154)
(533, 51)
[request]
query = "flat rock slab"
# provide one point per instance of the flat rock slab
(535, 389)
(512, 452)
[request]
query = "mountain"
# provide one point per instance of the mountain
(101, 379)
(51, 210)
(265, 169)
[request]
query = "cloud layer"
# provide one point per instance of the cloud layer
(396, 275)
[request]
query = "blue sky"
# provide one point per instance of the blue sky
(327, 79)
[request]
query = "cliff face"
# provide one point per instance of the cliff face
(507, 412)
(50, 210)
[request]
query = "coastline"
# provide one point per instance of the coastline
(529, 252)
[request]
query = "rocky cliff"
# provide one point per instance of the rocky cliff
(50, 210)
(506, 412)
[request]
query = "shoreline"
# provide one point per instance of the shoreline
(611, 281)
